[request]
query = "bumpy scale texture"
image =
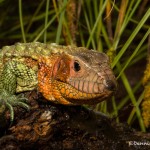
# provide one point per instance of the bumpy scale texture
(63, 74)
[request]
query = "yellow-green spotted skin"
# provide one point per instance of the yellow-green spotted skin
(67, 75)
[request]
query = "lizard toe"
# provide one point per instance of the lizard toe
(11, 110)
(9, 101)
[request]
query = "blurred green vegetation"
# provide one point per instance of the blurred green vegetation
(118, 28)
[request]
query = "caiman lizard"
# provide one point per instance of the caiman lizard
(66, 75)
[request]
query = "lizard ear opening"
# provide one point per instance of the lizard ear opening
(56, 67)
(61, 69)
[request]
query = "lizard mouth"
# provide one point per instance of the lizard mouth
(76, 95)
(87, 91)
(93, 87)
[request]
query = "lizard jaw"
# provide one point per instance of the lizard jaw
(76, 97)
(94, 87)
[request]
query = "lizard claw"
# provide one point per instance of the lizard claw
(11, 111)
(21, 98)
(10, 101)
(10, 107)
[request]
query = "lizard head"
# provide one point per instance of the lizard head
(79, 76)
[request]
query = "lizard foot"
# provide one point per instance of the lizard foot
(9, 101)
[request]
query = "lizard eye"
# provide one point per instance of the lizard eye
(76, 66)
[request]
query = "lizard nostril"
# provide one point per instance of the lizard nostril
(110, 85)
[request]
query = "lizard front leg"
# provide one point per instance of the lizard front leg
(16, 77)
